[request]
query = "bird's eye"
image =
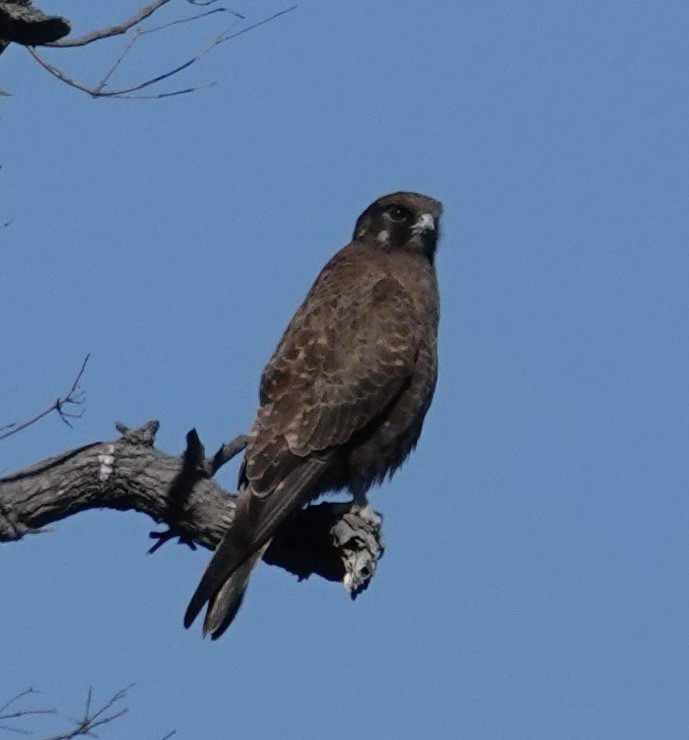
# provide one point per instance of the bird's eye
(398, 214)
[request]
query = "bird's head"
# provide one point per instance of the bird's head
(407, 221)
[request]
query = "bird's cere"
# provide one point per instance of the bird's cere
(425, 223)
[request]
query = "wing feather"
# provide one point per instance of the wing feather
(345, 356)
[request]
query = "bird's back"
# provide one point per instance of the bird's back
(355, 369)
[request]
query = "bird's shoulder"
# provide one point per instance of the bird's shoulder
(355, 300)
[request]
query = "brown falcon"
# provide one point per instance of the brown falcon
(343, 398)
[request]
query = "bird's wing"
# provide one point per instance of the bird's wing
(345, 356)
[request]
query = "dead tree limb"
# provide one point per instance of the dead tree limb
(23, 23)
(73, 398)
(332, 540)
(9, 712)
(115, 30)
(129, 92)
(93, 715)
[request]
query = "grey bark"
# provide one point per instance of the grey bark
(335, 541)
(23, 23)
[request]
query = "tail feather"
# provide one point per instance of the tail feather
(255, 522)
(223, 607)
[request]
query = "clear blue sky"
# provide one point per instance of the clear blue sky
(536, 579)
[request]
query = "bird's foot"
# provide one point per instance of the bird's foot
(368, 515)
(359, 539)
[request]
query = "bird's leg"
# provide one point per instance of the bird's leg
(362, 509)
(359, 498)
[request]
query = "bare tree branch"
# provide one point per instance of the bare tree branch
(99, 91)
(23, 23)
(20, 713)
(93, 718)
(116, 30)
(227, 452)
(124, 26)
(336, 541)
(74, 397)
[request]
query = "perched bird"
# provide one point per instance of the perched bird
(344, 396)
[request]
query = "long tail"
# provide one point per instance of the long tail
(223, 607)
(255, 522)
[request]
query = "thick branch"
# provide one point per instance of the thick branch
(334, 541)
(25, 24)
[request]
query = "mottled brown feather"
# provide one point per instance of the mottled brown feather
(343, 398)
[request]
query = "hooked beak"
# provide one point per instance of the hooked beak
(425, 223)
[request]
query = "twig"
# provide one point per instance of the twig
(255, 25)
(91, 720)
(162, 538)
(174, 93)
(75, 397)
(84, 726)
(30, 690)
(126, 93)
(204, 3)
(228, 451)
(115, 30)
(188, 19)
(117, 62)
(17, 714)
